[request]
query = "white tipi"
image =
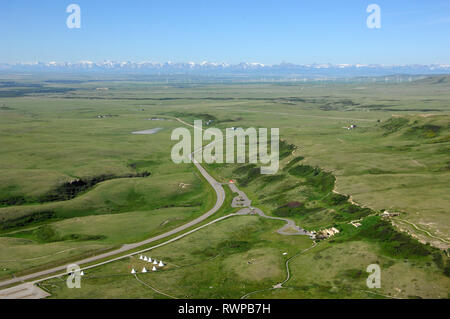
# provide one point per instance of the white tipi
(133, 271)
(154, 268)
(82, 273)
(140, 257)
(145, 258)
(144, 270)
(155, 262)
(161, 264)
(150, 259)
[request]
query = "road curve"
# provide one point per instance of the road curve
(220, 193)
(243, 201)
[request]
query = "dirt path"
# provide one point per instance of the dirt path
(423, 230)
(288, 274)
(154, 289)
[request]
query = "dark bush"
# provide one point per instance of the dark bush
(27, 220)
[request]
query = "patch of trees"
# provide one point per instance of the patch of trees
(250, 172)
(289, 209)
(68, 190)
(285, 149)
(321, 181)
(13, 200)
(27, 220)
(424, 131)
(272, 178)
(392, 242)
(47, 234)
(394, 124)
(293, 162)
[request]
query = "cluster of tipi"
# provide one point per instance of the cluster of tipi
(150, 260)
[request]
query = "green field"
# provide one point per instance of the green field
(74, 181)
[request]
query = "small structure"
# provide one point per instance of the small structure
(82, 273)
(144, 270)
(161, 264)
(154, 268)
(351, 127)
(326, 233)
(145, 258)
(335, 230)
(140, 257)
(356, 224)
(387, 214)
(150, 259)
(155, 262)
(133, 271)
(284, 254)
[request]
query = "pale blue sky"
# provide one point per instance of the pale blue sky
(413, 31)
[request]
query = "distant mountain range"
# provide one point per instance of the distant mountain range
(224, 69)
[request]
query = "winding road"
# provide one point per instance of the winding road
(241, 200)
(29, 290)
(220, 193)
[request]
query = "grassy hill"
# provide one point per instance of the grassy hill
(396, 159)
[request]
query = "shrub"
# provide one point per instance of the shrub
(28, 219)
(394, 124)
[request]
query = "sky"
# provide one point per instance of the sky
(269, 32)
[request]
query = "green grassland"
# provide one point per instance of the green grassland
(224, 260)
(244, 254)
(395, 159)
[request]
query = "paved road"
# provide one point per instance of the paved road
(243, 201)
(17, 290)
(239, 201)
(25, 291)
(220, 193)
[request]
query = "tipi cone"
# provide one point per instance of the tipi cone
(145, 258)
(161, 264)
(150, 259)
(144, 270)
(140, 257)
(154, 268)
(82, 273)
(133, 271)
(155, 262)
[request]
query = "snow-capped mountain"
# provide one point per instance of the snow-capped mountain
(282, 69)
